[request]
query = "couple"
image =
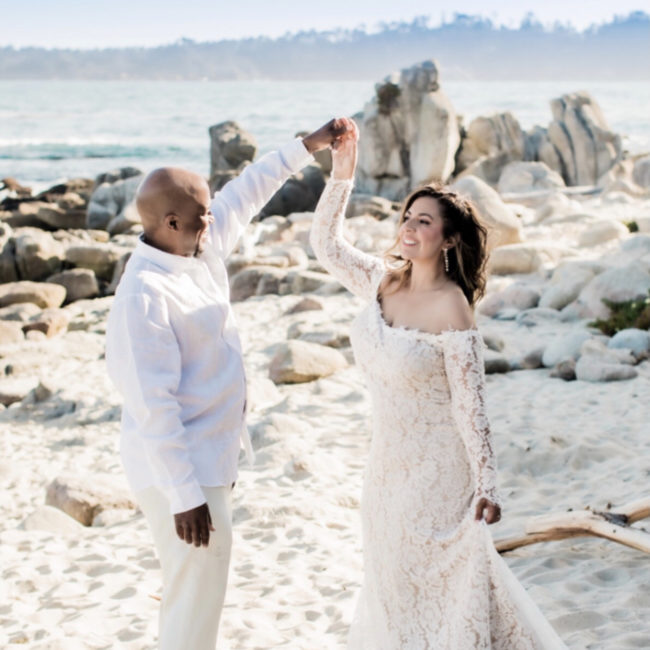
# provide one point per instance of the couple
(432, 577)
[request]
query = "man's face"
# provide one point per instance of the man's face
(193, 220)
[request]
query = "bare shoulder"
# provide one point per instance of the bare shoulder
(453, 311)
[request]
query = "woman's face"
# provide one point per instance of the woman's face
(421, 231)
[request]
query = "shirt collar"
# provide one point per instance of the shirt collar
(168, 261)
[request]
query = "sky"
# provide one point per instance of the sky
(122, 23)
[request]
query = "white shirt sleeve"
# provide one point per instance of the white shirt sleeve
(243, 197)
(148, 377)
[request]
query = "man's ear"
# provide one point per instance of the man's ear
(171, 221)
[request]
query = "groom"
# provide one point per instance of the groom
(173, 352)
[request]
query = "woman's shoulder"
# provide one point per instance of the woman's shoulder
(453, 308)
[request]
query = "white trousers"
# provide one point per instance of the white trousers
(194, 578)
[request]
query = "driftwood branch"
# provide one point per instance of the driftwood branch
(613, 525)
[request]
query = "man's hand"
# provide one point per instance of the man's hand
(487, 510)
(194, 526)
(326, 136)
(344, 152)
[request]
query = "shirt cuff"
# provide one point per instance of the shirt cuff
(295, 155)
(185, 497)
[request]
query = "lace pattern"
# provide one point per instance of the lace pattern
(432, 579)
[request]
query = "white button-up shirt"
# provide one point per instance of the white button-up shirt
(173, 352)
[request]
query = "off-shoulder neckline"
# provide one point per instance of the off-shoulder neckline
(436, 336)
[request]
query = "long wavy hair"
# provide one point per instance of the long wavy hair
(467, 258)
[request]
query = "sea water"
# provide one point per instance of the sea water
(53, 130)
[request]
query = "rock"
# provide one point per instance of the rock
(601, 232)
(371, 206)
(20, 312)
(522, 177)
(245, 284)
(298, 362)
(564, 347)
(118, 174)
(585, 145)
(565, 370)
(503, 226)
(521, 258)
(8, 270)
(68, 212)
(110, 200)
(120, 265)
(51, 520)
(641, 171)
(553, 206)
(323, 333)
(230, 146)
(635, 340)
(278, 427)
(306, 304)
(565, 287)
(517, 296)
(597, 348)
(532, 359)
(369, 234)
(261, 393)
(409, 134)
(10, 332)
(50, 321)
(617, 285)
(38, 254)
(100, 258)
(79, 283)
(112, 516)
(591, 368)
(493, 341)
(127, 220)
(43, 294)
(83, 497)
(298, 194)
(495, 362)
(271, 229)
(490, 144)
(15, 390)
(636, 246)
(537, 316)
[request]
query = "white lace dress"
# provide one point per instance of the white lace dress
(432, 578)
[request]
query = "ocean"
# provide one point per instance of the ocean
(54, 130)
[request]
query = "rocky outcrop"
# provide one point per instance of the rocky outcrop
(409, 134)
(230, 147)
(522, 177)
(37, 254)
(578, 143)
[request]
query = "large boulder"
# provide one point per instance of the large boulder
(38, 254)
(43, 294)
(83, 497)
(110, 200)
(299, 361)
(600, 232)
(566, 284)
(522, 258)
(409, 134)
(502, 224)
(517, 296)
(522, 177)
(230, 146)
(489, 144)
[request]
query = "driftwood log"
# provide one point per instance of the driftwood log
(614, 525)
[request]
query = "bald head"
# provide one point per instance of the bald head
(165, 191)
(172, 203)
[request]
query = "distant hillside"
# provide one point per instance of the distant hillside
(467, 48)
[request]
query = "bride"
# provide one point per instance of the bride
(432, 578)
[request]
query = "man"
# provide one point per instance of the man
(173, 352)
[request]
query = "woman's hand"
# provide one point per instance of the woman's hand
(488, 510)
(344, 152)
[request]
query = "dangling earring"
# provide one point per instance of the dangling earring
(446, 256)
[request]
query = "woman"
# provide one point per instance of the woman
(432, 579)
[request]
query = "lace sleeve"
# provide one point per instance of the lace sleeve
(464, 365)
(356, 271)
